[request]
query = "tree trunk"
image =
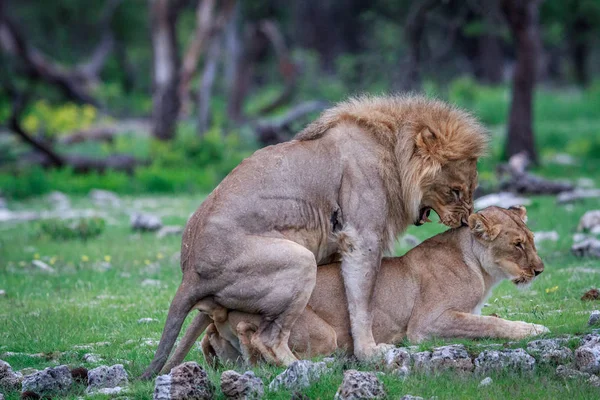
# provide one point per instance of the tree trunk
(165, 98)
(581, 49)
(207, 83)
(522, 17)
(491, 59)
(414, 30)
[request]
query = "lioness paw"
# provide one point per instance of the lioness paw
(524, 329)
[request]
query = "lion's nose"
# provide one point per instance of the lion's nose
(464, 221)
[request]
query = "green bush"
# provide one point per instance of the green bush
(81, 228)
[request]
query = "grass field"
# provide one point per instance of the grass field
(103, 286)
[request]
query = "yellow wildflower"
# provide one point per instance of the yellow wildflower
(552, 289)
(107, 258)
(52, 260)
(36, 256)
(85, 258)
(160, 256)
(147, 262)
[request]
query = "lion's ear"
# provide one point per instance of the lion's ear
(521, 211)
(483, 228)
(429, 143)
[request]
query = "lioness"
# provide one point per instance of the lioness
(344, 188)
(435, 290)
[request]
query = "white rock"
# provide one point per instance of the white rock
(50, 380)
(589, 247)
(563, 159)
(42, 266)
(502, 199)
(106, 377)
(586, 183)
(505, 360)
(91, 358)
(241, 386)
(358, 385)
(151, 282)
(577, 194)
(9, 379)
(169, 230)
(59, 200)
(104, 198)
(187, 381)
(589, 220)
(145, 222)
(452, 357)
(487, 381)
(398, 360)
(594, 318)
(299, 375)
(587, 358)
(2, 292)
(578, 237)
(550, 351)
(110, 391)
(146, 320)
(548, 235)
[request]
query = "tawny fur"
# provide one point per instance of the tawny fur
(435, 290)
(368, 167)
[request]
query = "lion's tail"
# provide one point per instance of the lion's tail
(183, 302)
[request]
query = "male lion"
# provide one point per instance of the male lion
(344, 188)
(435, 290)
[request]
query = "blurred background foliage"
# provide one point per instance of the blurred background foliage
(254, 65)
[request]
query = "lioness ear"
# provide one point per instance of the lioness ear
(521, 212)
(482, 228)
(428, 142)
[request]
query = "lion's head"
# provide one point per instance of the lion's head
(509, 247)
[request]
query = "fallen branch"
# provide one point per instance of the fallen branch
(277, 130)
(514, 178)
(98, 134)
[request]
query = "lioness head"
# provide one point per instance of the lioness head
(508, 242)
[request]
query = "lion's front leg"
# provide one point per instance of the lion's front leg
(465, 325)
(361, 258)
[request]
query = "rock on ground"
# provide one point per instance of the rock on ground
(169, 230)
(594, 318)
(104, 198)
(562, 371)
(504, 360)
(543, 236)
(106, 377)
(145, 222)
(411, 397)
(550, 351)
(92, 358)
(360, 385)
(398, 360)
(59, 200)
(50, 380)
(299, 375)
(589, 221)
(577, 194)
(587, 358)
(187, 381)
(421, 360)
(9, 380)
(42, 266)
(487, 381)
(110, 391)
(453, 357)
(502, 199)
(241, 386)
(146, 320)
(589, 247)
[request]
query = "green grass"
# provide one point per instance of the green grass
(84, 303)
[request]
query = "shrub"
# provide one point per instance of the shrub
(81, 228)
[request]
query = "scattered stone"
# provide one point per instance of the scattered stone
(169, 230)
(411, 397)
(2, 292)
(299, 375)
(542, 236)
(594, 318)
(550, 351)
(576, 195)
(9, 380)
(585, 182)
(28, 371)
(19, 216)
(502, 199)
(50, 380)
(241, 387)
(187, 381)
(578, 237)
(589, 221)
(151, 282)
(410, 240)
(360, 385)
(1, 395)
(453, 357)
(398, 361)
(589, 247)
(146, 320)
(42, 266)
(329, 360)
(3, 205)
(587, 358)
(104, 198)
(59, 201)
(145, 222)
(563, 159)
(106, 377)
(91, 358)
(110, 391)
(590, 295)
(422, 361)
(590, 339)
(487, 381)
(504, 360)
(564, 372)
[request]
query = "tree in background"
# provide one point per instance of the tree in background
(522, 18)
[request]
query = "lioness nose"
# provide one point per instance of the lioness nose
(537, 272)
